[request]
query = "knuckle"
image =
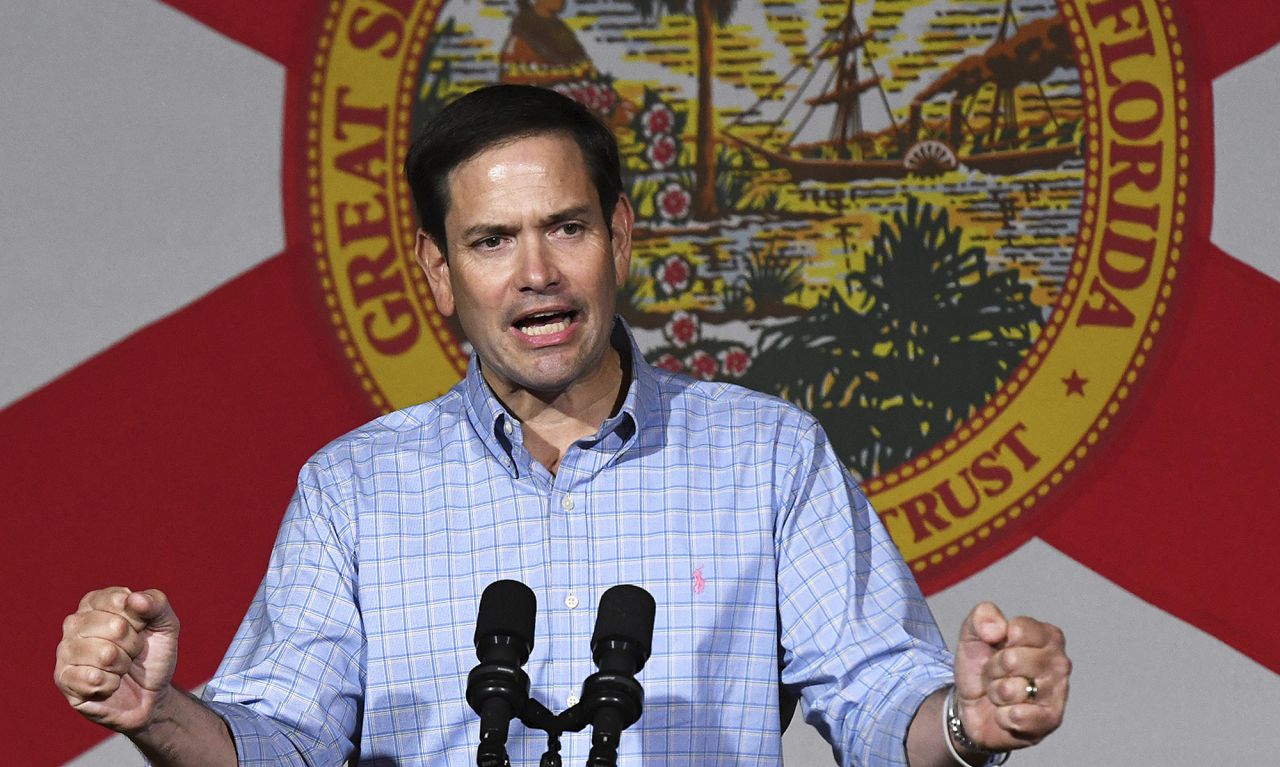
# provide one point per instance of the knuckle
(1020, 718)
(101, 683)
(103, 597)
(1028, 630)
(105, 655)
(94, 678)
(1008, 689)
(117, 627)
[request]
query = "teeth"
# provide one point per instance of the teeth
(547, 329)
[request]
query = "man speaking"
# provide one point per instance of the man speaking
(564, 461)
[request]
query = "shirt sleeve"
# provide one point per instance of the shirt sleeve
(858, 641)
(290, 685)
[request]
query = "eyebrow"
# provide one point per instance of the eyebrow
(577, 211)
(481, 231)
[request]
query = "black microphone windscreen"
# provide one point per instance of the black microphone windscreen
(626, 612)
(507, 608)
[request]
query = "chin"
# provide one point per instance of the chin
(551, 384)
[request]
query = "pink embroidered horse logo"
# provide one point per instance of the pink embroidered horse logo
(698, 583)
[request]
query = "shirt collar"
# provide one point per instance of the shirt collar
(490, 419)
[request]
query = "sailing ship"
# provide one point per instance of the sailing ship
(1005, 143)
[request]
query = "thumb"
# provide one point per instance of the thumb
(985, 624)
(152, 608)
(981, 634)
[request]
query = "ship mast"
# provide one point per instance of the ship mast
(847, 89)
(1005, 104)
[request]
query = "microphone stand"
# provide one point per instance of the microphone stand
(538, 717)
(611, 702)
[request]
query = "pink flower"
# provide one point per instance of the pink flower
(662, 152)
(608, 98)
(682, 329)
(673, 202)
(669, 362)
(734, 361)
(702, 365)
(674, 275)
(657, 119)
(594, 96)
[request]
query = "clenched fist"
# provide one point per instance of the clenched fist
(1012, 677)
(117, 656)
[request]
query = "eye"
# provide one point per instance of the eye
(489, 243)
(572, 228)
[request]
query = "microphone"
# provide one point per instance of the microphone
(620, 645)
(498, 689)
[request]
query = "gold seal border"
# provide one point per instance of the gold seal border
(1084, 239)
(444, 340)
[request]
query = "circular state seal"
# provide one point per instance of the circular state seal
(950, 233)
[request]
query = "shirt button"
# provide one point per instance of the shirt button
(507, 427)
(571, 602)
(572, 700)
(566, 503)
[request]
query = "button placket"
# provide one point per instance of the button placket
(561, 633)
(579, 607)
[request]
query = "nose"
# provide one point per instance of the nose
(537, 268)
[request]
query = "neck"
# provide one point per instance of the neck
(554, 421)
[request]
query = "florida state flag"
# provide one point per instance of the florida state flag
(1018, 257)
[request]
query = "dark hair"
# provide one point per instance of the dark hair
(496, 115)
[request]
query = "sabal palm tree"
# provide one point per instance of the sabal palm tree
(936, 334)
(706, 15)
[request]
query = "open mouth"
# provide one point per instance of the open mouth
(545, 323)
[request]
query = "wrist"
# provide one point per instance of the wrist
(156, 708)
(961, 747)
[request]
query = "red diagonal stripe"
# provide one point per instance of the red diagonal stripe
(164, 462)
(1178, 508)
(279, 29)
(1227, 34)
(1173, 508)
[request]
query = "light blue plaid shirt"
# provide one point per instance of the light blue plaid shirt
(727, 505)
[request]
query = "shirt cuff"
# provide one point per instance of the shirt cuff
(891, 740)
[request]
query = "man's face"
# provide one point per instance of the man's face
(532, 270)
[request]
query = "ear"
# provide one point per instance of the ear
(624, 218)
(436, 267)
